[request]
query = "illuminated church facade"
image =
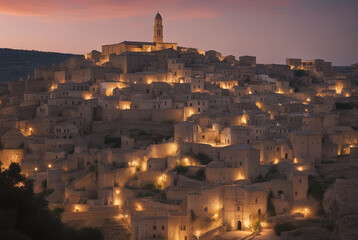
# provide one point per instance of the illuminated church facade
(132, 46)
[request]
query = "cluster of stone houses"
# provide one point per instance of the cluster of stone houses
(175, 140)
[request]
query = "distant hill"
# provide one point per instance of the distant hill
(19, 63)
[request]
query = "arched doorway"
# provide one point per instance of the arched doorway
(239, 225)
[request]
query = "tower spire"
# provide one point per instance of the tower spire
(158, 29)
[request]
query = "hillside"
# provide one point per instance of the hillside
(19, 63)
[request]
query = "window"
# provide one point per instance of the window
(296, 193)
(163, 227)
(205, 209)
(238, 208)
(154, 227)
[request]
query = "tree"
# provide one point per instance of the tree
(25, 216)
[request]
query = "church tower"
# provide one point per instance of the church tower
(158, 29)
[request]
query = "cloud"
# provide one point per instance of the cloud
(94, 9)
(74, 8)
(62, 10)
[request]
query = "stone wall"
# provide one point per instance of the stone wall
(11, 155)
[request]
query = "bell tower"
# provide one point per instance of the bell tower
(158, 29)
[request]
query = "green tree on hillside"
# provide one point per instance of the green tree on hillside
(25, 216)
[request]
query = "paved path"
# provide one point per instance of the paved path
(234, 235)
(267, 234)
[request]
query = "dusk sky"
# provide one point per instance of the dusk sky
(269, 29)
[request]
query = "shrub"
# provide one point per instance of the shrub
(330, 227)
(203, 158)
(44, 185)
(200, 174)
(58, 211)
(300, 73)
(315, 188)
(344, 106)
(92, 168)
(181, 169)
(142, 133)
(192, 215)
(144, 194)
(115, 141)
(271, 211)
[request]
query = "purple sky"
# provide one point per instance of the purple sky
(269, 29)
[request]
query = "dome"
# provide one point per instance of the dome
(158, 16)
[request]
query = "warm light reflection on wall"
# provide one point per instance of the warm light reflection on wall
(29, 132)
(161, 181)
(259, 105)
(239, 177)
(87, 95)
(139, 207)
(79, 208)
(133, 164)
(244, 119)
(117, 202)
(188, 111)
(247, 224)
(339, 90)
(53, 87)
(124, 105)
(304, 211)
(186, 161)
